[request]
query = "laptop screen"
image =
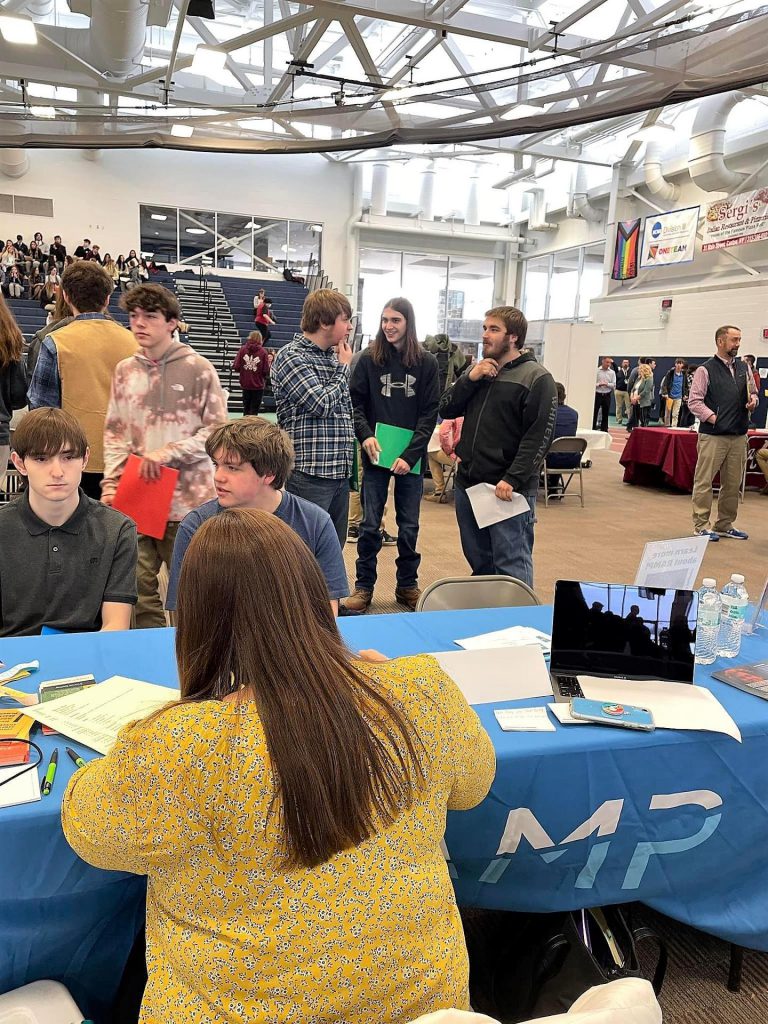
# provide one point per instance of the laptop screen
(611, 630)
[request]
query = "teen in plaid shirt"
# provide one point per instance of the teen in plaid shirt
(310, 382)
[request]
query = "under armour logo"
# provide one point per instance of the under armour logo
(388, 385)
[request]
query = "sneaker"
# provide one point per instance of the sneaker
(408, 597)
(358, 602)
(353, 532)
(387, 539)
(706, 533)
(733, 533)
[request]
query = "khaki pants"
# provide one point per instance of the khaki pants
(672, 411)
(355, 506)
(437, 462)
(622, 405)
(726, 455)
(761, 455)
(152, 553)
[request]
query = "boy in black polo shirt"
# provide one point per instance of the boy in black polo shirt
(66, 561)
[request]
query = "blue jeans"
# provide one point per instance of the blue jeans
(408, 490)
(331, 495)
(503, 549)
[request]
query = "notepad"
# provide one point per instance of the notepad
(23, 790)
(146, 502)
(393, 442)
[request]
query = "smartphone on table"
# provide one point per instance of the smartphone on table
(612, 713)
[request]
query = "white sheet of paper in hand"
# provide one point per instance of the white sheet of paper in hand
(492, 676)
(488, 509)
(673, 705)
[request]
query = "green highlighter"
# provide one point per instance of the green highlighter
(50, 774)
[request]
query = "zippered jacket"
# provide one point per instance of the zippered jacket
(508, 426)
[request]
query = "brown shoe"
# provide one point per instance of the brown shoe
(359, 602)
(764, 490)
(408, 597)
(435, 496)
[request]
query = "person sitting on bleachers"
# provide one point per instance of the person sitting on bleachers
(35, 259)
(83, 252)
(54, 530)
(95, 254)
(15, 283)
(21, 248)
(111, 268)
(289, 809)
(252, 460)
(57, 253)
(42, 247)
(289, 276)
(133, 269)
(36, 283)
(9, 257)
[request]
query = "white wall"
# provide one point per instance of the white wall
(100, 199)
(570, 354)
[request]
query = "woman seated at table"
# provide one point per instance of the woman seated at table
(288, 810)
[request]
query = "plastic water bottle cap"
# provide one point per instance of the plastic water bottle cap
(709, 582)
(736, 577)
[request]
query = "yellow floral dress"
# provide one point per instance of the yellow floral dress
(372, 936)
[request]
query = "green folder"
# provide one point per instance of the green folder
(393, 441)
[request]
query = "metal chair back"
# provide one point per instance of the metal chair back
(457, 592)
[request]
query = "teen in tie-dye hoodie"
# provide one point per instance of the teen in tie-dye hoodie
(165, 401)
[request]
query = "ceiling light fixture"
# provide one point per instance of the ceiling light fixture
(158, 216)
(196, 231)
(182, 131)
(208, 61)
(21, 31)
(46, 112)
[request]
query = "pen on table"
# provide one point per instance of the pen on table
(75, 757)
(50, 774)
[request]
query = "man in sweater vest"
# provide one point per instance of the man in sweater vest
(75, 365)
(722, 398)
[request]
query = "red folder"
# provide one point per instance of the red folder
(146, 502)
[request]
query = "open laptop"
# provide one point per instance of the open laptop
(614, 631)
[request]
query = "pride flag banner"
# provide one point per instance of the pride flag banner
(625, 253)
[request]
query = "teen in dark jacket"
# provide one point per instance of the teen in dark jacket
(395, 382)
(509, 404)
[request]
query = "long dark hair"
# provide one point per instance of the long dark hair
(412, 352)
(11, 338)
(345, 759)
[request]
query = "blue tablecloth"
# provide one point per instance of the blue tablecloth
(581, 817)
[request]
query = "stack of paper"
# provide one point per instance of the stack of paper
(23, 790)
(493, 676)
(14, 731)
(514, 636)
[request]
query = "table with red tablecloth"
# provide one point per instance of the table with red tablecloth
(661, 456)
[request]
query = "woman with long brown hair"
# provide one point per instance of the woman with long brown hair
(288, 811)
(13, 380)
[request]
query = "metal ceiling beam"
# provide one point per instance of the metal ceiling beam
(537, 41)
(230, 64)
(304, 52)
(464, 68)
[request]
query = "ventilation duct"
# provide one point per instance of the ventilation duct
(537, 211)
(705, 155)
(427, 194)
(379, 189)
(655, 181)
(14, 163)
(578, 201)
(118, 31)
(472, 215)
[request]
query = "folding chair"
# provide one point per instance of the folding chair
(457, 592)
(448, 479)
(566, 446)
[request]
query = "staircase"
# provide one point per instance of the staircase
(212, 329)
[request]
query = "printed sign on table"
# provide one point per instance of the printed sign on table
(669, 238)
(736, 221)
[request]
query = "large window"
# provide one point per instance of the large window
(234, 241)
(450, 294)
(561, 285)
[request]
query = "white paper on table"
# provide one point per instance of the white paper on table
(10, 673)
(671, 563)
(24, 790)
(562, 713)
(512, 636)
(94, 716)
(673, 705)
(488, 509)
(524, 720)
(492, 676)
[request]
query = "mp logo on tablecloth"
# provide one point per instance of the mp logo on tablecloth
(522, 824)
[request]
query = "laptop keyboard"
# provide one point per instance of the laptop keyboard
(569, 686)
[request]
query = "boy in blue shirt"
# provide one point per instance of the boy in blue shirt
(252, 459)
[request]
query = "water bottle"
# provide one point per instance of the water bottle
(708, 622)
(735, 602)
